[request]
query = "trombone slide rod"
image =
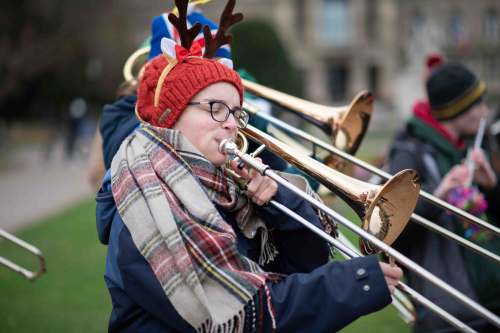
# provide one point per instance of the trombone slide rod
(28, 274)
(332, 149)
(353, 254)
(479, 309)
(454, 237)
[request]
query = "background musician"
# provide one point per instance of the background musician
(434, 143)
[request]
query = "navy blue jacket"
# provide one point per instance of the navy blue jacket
(117, 121)
(316, 296)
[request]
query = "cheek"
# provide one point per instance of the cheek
(202, 135)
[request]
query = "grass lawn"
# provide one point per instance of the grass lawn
(72, 295)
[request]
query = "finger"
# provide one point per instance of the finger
(243, 173)
(255, 183)
(391, 281)
(391, 289)
(268, 193)
(478, 153)
(391, 271)
(266, 181)
(253, 174)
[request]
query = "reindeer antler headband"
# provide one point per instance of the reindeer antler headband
(176, 54)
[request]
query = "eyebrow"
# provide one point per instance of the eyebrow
(214, 100)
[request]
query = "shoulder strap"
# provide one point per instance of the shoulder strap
(405, 141)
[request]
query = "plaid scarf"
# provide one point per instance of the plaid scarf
(166, 192)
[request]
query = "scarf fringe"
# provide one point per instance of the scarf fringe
(267, 251)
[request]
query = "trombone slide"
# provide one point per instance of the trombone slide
(229, 148)
(353, 254)
(416, 218)
(28, 274)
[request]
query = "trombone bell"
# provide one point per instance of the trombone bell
(383, 210)
(346, 125)
(132, 61)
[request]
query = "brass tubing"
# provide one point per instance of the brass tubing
(402, 287)
(345, 125)
(370, 239)
(28, 274)
(383, 210)
(440, 203)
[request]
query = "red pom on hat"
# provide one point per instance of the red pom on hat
(434, 59)
(184, 81)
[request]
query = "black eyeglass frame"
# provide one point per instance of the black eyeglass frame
(211, 103)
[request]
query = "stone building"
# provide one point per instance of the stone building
(344, 46)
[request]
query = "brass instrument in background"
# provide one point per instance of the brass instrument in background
(345, 125)
(132, 61)
(31, 276)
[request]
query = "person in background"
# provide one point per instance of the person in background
(434, 143)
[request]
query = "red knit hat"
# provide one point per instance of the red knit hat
(183, 82)
(170, 81)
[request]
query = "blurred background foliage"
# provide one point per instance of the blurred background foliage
(258, 49)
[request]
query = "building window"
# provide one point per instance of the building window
(373, 79)
(492, 67)
(492, 26)
(458, 30)
(335, 29)
(417, 24)
(300, 5)
(337, 82)
(371, 19)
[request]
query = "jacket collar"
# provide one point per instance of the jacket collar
(422, 111)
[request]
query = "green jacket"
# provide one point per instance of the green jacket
(484, 274)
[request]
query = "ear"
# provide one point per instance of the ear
(168, 49)
(226, 62)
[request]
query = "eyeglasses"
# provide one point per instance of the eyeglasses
(220, 112)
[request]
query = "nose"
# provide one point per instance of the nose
(230, 124)
(484, 109)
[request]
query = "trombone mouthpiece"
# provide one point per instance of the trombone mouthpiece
(228, 147)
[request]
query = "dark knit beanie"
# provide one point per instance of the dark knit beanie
(452, 89)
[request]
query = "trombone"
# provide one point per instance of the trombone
(371, 237)
(31, 276)
(368, 204)
(414, 217)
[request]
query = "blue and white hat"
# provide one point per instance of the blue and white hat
(162, 27)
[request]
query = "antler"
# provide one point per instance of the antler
(180, 23)
(227, 19)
